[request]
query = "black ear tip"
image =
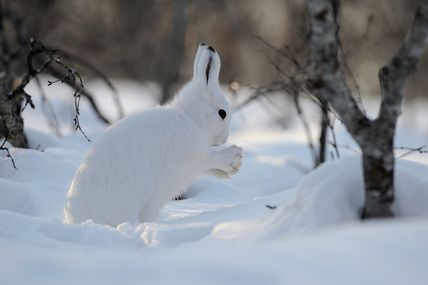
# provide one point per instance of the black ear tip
(202, 44)
(211, 48)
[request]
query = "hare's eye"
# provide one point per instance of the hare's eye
(222, 113)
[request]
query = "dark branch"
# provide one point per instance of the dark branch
(85, 93)
(48, 109)
(4, 148)
(421, 150)
(306, 128)
(98, 73)
(45, 58)
(393, 77)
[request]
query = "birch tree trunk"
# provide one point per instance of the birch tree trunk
(375, 137)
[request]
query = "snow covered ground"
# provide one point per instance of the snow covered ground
(275, 222)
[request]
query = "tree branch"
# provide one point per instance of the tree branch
(393, 77)
(98, 73)
(306, 128)
(85, 93)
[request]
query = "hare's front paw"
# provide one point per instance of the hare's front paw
(233, 157)
(227, 161)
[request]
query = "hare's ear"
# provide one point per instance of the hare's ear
(202, 64)
(207, 65)
(212, 70)
(201, 48)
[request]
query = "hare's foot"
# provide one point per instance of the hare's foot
(226, 162)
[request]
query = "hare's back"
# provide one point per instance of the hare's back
(156, 127)
(147, 143)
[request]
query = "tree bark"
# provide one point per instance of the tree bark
(378, 169)
(11, 122)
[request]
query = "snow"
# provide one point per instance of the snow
(332, 195)
(275, 222)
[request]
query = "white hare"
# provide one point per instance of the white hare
(143, 161)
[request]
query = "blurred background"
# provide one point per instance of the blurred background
(147, 40)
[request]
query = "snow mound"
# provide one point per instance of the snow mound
(331, 196)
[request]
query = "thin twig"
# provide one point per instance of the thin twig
(74, 77)
(85, 93)
(344, 146)
(48, 109)
(2, 147)
(306, 128)
(333, 135)
(99, 74)
(422, 149)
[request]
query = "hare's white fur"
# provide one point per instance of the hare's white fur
(143, 161)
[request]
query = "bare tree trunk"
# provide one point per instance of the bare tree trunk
(378, 169)
(375, 137)
(11, 122)
(170, 66)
